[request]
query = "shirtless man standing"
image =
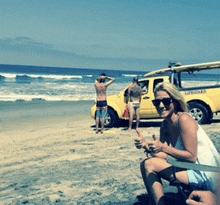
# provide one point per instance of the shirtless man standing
(134, 101)
(101, 103)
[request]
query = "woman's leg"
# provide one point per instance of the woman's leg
(131, 111)
(137, 117)
(152, 171)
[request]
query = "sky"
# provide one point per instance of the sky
(141, 35)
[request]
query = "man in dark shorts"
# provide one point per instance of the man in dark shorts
(134, 102)
(101, 102)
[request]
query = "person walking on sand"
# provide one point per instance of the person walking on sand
(101, 100)
(134, 101)
(181, 138)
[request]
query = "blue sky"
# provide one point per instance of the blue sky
(109, 34)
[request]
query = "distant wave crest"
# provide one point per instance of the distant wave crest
(130, 75)
(35, 76)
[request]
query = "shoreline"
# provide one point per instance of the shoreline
(39, 108)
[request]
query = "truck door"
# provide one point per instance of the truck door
(147, 109)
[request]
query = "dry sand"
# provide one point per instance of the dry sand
(48, 156)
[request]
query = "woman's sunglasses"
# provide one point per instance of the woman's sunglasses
(165, 101)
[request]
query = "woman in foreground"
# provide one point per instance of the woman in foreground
(181, 138)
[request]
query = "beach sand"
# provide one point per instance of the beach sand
(49, 156)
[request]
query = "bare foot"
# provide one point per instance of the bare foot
(129, 129)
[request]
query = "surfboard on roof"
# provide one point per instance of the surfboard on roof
(186, 68)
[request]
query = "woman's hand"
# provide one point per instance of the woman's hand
(140, 141)
(156, 145)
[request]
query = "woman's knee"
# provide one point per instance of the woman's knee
(147, 164)
(155, 164)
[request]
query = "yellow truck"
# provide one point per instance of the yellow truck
(203, 97)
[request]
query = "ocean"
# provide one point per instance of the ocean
(29, 83)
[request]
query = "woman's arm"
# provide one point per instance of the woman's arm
(163, 139)
(188, 132)
(140, 94)
(141, 143)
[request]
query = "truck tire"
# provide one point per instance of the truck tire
(199, 112)
(111, 119)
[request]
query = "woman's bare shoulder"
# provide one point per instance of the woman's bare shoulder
(186, 120)
(184, 116)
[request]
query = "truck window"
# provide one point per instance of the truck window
(144, 85)
(175, 82)
(196, 79)
(156, 82)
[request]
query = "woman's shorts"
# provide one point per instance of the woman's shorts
(199, 181)
(135, 105)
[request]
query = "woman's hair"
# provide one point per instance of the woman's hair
(179, 101)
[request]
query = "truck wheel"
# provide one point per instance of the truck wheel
(199, 112)
(111, 119)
